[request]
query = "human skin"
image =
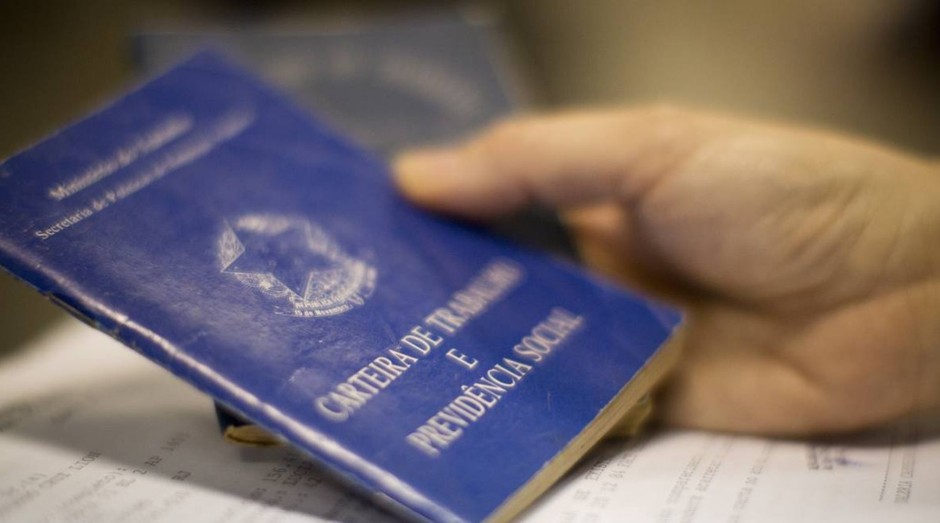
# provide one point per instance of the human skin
(807, 263)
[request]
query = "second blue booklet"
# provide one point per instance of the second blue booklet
(209, 224)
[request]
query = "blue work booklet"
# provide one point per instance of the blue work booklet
(389, 82)
(227, 235)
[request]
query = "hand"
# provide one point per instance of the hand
(808, 263)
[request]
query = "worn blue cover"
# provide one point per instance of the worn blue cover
(228, 236)
(389, 82)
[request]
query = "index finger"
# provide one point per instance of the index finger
(559, 161)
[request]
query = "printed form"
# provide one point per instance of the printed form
(90, 431)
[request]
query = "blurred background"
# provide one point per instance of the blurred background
(869, 67)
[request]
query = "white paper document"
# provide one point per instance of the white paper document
(90, 431)
(694, 476)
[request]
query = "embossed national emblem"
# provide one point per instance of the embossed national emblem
(295, 264)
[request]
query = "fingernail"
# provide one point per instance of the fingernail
(419, 173)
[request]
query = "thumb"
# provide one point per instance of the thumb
(559, 161)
